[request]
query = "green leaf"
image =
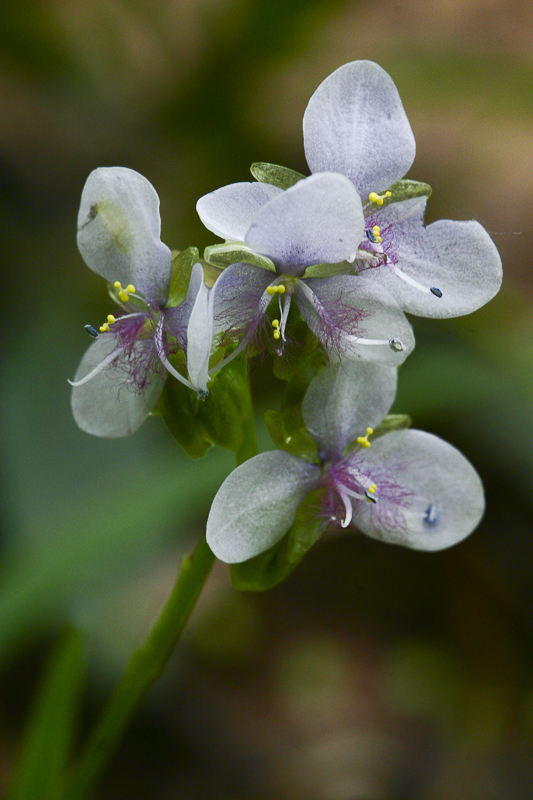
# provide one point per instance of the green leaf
(286, 426)
(42, 759)
(276, 564)
(221, 419)
(282, 177)
(180, 275)
(327, 270)
(405, 190)
(392, 422)
(289, 432)
(222, 255)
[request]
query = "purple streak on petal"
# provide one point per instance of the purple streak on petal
(240, 301)
(353, 473)
(330, 318)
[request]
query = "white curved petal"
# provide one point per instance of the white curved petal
(345, 399)
(228, 212)
(107, 405)
(346, 312)
(119, 231)
(458, 258)
(318, 220)
(355, 124)
(200, 331)
(429, 496)
(257, 503)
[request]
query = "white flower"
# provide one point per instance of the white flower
(317, 221)
(355, 126)
(405, 487)
(121, 375)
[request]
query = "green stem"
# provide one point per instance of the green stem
(144, 669)
(149, 662)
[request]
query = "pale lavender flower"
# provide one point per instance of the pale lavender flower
(355, 125)
(404, 487)
(317, 221)
(121, 375)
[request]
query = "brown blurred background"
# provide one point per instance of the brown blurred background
(372, 673)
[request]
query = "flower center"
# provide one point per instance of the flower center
(382, 243)
(278, 325)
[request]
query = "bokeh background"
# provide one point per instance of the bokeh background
(372, 673)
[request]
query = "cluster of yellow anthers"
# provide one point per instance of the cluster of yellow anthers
(369, 494)
(123, 293)
(363, 440)
(271, 290)
(378, 198)
(375, 231)
(110, 320)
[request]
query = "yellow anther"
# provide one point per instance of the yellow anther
(111, 319)
(277, 334)
(378, 198)
(123, 297)
(130, 288)
(375, 230)
(117, 285)
(363, 440)
(276, 289)
(369, 494)
(104, 327)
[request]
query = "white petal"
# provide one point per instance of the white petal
(346, 311)
(458, 258)
(228, 212)
(107, 405)
(200, 331)
(240, 298)
(345, 399)
(119, 231)
(257, 503)
(439, 495)
(355, 124)
(318, 220)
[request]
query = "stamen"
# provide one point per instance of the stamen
(431, 516)
(373, 235)
(363, 440)
(284, 315)
(110, 320)
(378, 198)
(160, 349)
(280, 289)
(347, 505)
(394, 344)
(102, 365)
(124, 293)
(369, 494)
(412, 282)
(275, 325)
(91, 331)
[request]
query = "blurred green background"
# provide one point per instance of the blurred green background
(372, 672)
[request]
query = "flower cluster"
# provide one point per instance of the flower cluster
(345, 251)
